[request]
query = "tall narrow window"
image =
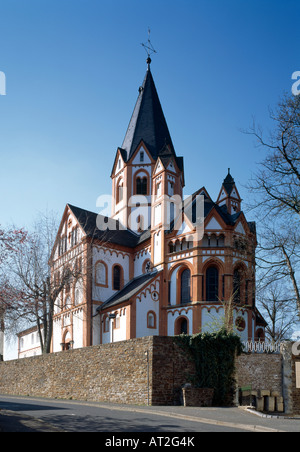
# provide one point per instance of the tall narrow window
(117, 277)
(237, 285)
(212, 284)
(74, 236)
(120, 192)
(101, 274)
(142, 186)
(185, 296)
(151, 320)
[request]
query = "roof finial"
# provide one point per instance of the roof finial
(149, 48)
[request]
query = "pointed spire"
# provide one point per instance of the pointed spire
(228, 182)
(148, 122)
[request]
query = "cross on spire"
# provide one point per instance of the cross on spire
(149, 48)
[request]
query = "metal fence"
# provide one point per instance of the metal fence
(262, 347)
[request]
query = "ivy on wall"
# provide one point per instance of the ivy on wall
(214, 357)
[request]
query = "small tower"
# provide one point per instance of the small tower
(229, 195)
(147, 139)
(167, 186)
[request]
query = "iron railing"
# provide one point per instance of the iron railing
(261, 347)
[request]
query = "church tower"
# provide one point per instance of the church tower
(229, 195)
(147, 143)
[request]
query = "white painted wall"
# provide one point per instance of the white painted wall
(139, 260)
(212, 319)
(78, 328)
(173, 315)
(57, 334)
(116, 334)
(110, 257)
(29, 345)
(145, 303)
(158, 237)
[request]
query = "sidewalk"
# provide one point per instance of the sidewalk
(227, 417)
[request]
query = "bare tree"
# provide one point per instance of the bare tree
(278, 308)
(277, 183)
(278, 258)
(276, 189)
(10, 241)
(32, 292)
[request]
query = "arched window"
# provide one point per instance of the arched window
(212, 284)
(78, 292)
(120, 190)
(181, 326)
(101, 274)
(185, 295)
(117, 277)
(142, 186)
(221, 240)
(106, 324)
(151, 320)
(213, 240)
(68, 303)
(205, 240)
(237, 279)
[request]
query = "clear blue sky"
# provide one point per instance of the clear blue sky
(73, 68)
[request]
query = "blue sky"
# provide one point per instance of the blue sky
(73, 68)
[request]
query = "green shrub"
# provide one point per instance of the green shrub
(214, 356)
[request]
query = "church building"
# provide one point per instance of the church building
(156, 265)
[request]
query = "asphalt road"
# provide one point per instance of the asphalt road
(32, 414)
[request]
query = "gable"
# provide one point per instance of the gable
(68, 223)
(141, 157)
(185, 229)
(159, 167)
(213, 224)
(222, 195)
(234, 194)
(171, 167)
(119, 162)
(240, 229)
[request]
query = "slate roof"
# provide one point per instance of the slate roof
(128, 291)
(148, 122)
(113, 234)
(228, 219)
(228, 183)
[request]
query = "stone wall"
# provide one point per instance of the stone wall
(113, 373)
(172, 368)
(138, 371)
(262, 371)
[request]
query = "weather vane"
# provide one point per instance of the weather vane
(149, 48)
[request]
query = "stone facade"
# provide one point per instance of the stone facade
(261, 371)
(198, 397)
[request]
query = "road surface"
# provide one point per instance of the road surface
(71, 416)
